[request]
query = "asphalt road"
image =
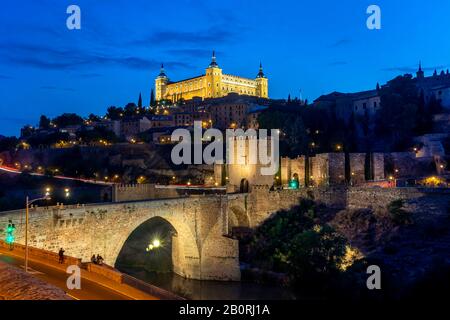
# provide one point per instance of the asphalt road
(89, 290)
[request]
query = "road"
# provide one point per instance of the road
(89, 290)
(15, 171)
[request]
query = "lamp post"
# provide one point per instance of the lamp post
(27, 206)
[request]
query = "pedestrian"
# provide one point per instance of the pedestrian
(61, 255)
(99, 259)
(94, 259)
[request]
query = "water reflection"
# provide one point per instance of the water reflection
(211, 290)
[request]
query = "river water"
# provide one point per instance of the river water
(211, 290)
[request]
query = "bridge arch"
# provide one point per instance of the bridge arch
(244, 186)
(184, 251)
(238, 217)
(139, 249)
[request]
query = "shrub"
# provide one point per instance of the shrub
(397, 213)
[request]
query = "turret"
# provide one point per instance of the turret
(420, 74)
(262, 84)
(260, 73)
(213, 79)
(160, 84)
(213, 63)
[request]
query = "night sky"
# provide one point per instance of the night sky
(316, 46)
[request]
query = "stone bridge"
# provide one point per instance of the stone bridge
(201, 246)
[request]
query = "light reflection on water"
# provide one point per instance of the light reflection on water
(211, 290)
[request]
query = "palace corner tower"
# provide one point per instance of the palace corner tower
(213, 84)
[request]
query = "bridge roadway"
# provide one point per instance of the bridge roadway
(51, 274)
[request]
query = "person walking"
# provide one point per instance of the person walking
(61, 255)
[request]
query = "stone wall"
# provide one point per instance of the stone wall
(290, 167)
(357, 168)
(336, 168)
(324, 170)
(408, 165)
(378, 166)
(139, 192)
(256, 207)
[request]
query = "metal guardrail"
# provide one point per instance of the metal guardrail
(150, 289)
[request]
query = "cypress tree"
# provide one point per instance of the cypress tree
(152, 99)
(140, 101)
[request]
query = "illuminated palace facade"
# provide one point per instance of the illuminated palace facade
(212, 84)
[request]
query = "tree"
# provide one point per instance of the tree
(396, 120)
(44, 122)
(297, 136)
(130, 109)
(140, 101)
(434, 105)
(94, 118)
(48, 139)
(314, 255)
(26, 131)
(152, 99)
(292, 242)
(398, 214)
(114, 113)
(97, 134)
(68, 119)
(352, 134)
(8, 143)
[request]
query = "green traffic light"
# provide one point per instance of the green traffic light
(293, 184)
(10, 238)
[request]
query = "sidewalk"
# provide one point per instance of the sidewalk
(121, 288)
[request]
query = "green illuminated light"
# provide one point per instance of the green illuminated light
(293, 184)
(10, 238)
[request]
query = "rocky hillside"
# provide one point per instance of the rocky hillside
(413, 254)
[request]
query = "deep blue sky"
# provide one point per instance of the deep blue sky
(317, 46)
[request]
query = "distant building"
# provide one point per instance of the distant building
(110, 125)
(437, 85)
(134, 125)
(252, 116)
(212, 84)
(183, 118)
(345, 104)
(158, 121)
(187, 118)
(231, 111)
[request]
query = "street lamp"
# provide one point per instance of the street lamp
(27, 205)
